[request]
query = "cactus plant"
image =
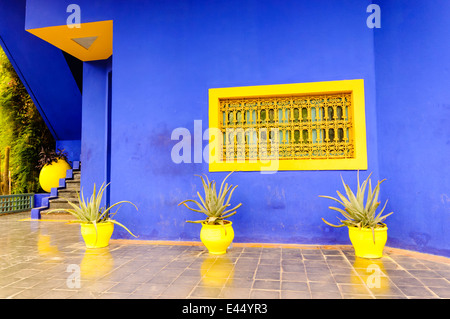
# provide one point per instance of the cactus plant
(90, 211)
(213, 205)
(4, 176)
(358, 213)
(1, 177)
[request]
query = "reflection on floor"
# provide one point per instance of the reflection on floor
(47, 259)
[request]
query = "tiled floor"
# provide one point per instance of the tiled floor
(45, 259)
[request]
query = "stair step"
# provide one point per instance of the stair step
(72, 184)
(67, 193)
(61, 203)
(63, 200)
(76, 176)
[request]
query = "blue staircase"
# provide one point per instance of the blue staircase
(67, 189)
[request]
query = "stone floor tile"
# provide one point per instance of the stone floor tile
(235, 293)
(206, 292)
(57, 294)
(150, 289)
(441, 292)
(416, 291)
(435, 282)
(29, 293)
(176, 291)
(316, 287)
(264, 294)
(294, 286)
(269, 275)
(294, 276)
(123, 287)
(289, 294)
(266, 284)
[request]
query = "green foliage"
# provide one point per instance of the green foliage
(213, 205)
(360, 211)
(91, 212)
(46, 157)
(22, 128)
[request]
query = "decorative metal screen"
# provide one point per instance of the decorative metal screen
(16, 203)
(287, 127)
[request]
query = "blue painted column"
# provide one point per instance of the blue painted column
(95, 125)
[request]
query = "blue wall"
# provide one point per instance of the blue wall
(167, 56)
(94, 148)
(413, 108)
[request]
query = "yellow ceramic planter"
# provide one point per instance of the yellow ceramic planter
(217, 238)
(51, 174)
(99, 238)
(362, 241)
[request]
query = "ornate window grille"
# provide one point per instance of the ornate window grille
(287, 127)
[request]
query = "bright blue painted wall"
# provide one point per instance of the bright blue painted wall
(71, 147)
(94, 128)
(413, 108)
(166, 57)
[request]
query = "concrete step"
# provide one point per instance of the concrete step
(72, 184)
(67, 193)
(76, 175)
(62, 202)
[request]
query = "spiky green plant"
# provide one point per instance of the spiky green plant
(214, 205)
(91, 211)
(360, 211)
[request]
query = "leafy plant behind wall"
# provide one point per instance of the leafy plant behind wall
(48, 156)
(22, 128)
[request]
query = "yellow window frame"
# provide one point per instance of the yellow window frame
(355, 87)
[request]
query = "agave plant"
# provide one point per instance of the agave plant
(91, 211)
(214, 205)
(360, 211)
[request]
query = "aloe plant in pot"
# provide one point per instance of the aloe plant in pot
(217, 233)
(367, 230)
(97, 223)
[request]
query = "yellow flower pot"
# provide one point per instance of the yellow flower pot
(51, 174)
(362, 241)
(217, 238)
(99, 238)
